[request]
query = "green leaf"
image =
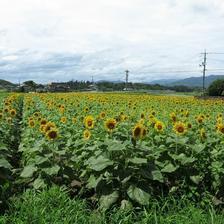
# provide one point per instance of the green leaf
(157, 175)
(52, 170)
(138, 160)
(183, 158)
(40, 160)
(138, 195)
(169, 168)
(126, 205)
(93, 181)
(99, 163)
(196, 179)
(115, 145)
(107, 200)
(4, 163)
(198, 148)
(182, 140)
(39, 183)
(28, 171)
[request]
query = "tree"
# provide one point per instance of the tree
(216, 88)
(30, 83)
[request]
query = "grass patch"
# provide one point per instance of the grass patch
(54, 206)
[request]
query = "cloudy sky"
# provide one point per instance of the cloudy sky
(60, 40)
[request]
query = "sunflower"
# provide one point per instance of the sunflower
(219, 120)
(139, 131)
(102, 115)
(200, 119)
(49, 126)
(43, 122)
(9, 120)
(159, 126)
(86, 109)
(31, 123)
(1, 115)
(36, 114)
(173, 117)
(136, 132)
(6, 110)
(202, 133)
(179, 128)
(63, 120)
(74, 120)
(123, 117)
(52, 134)
(42, 128)
(89, 122)
(61, 110)
(110, 124)
(86, 134)
(13, 112)
(220, 128)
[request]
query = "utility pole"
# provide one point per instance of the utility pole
(204, 63)
(126, 80)
(92, 80)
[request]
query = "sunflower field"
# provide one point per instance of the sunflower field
(123, 149)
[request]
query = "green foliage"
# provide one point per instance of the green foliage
(216, 88)
(113, 167)
(9, 140)
(55, 206)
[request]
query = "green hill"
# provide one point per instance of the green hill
(6, 85)
(197, 81)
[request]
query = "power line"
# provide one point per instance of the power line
(214, 53)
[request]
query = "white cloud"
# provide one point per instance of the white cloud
(105, 37)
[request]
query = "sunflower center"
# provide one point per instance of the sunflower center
(180, 129)
(137, 131)
(52, 134)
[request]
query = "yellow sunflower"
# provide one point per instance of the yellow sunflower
(139, 131)
(13, 112)
(159, 126)
(74, 120)
(102, 115)
(63, 120)
(43, 122)
(200, 119)
(31, 123)
(89, 122)
(86, 134)
(180, 128)
(52, 134)
(110, 124)
(202, 133)
(173, 117)
(220, 128)
(49, 126)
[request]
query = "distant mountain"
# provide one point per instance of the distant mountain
(197, 81)
(115, 81)
(6, 85)
(191, 82)
(163, 81)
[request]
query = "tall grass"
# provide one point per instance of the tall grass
(54, 206)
